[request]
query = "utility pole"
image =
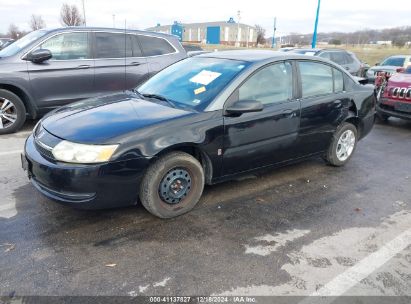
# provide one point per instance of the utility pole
(275, 28)
(84, 13)
(238, 28)
(314, 42)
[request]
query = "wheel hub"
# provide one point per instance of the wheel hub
(8, 115)
(175, 186)
(345, 145)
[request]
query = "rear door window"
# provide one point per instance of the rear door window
(153, 46)
(316, 79)
(348, 58)
(113, 45)
(338, 57)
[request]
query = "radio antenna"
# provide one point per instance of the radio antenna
(125, 54)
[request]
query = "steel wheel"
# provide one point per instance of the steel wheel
(345, 145)
(8, 113)
(175, 186)
(172, 185)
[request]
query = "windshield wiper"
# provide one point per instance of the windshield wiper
(159, 97)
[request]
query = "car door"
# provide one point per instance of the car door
(322, 105)
(68, 76)
(254, 140)
(117, 66)
(158, 52)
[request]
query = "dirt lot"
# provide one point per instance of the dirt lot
(301, 230)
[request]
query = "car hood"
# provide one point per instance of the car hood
(400, 80)
(384, 68)
(105, 119)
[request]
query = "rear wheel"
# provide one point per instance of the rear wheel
(12, 112)
(172, 185)
(342, 145)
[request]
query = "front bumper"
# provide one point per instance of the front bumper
(97, 186)
(387, 107)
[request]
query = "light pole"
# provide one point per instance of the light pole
(275, 28)
(314, 42)
(114, 20)
(84, 13)
(238, 28)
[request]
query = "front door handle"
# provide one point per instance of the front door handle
(135, 63)
(84, 66)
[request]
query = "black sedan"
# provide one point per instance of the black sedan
(203, 120)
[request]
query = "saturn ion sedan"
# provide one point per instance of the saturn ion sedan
(200, 121)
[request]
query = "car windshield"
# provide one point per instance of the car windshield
(20, 44)
(194, 82)
(394, 61)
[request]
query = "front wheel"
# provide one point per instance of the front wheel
(172, 185)
(342, 145)
(12, 112)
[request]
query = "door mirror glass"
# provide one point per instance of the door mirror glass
(39, 55)
(244, 106)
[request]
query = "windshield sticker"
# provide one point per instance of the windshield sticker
(199, 90)
(205, 77)
(241, 66)
(309, 53)
(196, 101)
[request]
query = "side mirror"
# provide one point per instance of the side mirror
(244, 106)
(377, 63)
(39, 56)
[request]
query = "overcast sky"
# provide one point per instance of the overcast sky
(292, 15)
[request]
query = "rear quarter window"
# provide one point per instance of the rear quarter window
(154, 46)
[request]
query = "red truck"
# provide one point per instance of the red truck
(394, 94)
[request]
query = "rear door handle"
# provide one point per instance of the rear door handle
(84, 66)
(135, 63)
(289, 113)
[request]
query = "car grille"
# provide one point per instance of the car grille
(43, 151)
(45, 142)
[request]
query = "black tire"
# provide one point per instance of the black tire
(382, 117)
(331, 156)
(18, 109)
(155, 176)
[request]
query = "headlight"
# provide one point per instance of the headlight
(83, 154)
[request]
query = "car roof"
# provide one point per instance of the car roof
(106, 29)
(253, 55)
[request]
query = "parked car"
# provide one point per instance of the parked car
(5, 42)
(194, 50)
(395, 99)
(389, 65)
(346, 59)
(200, 121)
(49, 68)
(286, 49)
